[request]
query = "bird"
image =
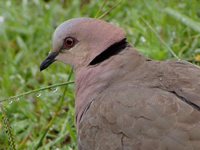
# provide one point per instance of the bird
(124, 100)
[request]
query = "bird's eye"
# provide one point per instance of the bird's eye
(69, 42)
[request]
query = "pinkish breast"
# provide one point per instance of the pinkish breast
(90, 82)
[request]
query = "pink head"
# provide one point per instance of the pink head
(78, 41)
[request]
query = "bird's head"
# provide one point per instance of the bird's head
(78, 41)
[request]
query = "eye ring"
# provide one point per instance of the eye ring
(69, 42)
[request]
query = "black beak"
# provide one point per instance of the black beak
(48, 61)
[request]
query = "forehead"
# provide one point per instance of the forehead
(67, 28)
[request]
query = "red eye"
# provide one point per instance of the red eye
(69, 42)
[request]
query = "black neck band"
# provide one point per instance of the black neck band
(110, 51)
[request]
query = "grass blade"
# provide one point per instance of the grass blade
(161, 40)
(183, 19)
(36, 90)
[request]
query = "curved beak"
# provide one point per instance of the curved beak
(48, 61)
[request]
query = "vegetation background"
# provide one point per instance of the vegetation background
(44, 119)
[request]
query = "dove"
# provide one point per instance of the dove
(125, 101)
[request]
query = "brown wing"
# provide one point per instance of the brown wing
(140, 119)
(159, 114)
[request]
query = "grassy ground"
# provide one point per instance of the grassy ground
(45, 119)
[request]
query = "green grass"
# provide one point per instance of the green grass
(45, 120)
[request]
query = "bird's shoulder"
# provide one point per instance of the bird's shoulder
(183, 78)
(179, 77)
